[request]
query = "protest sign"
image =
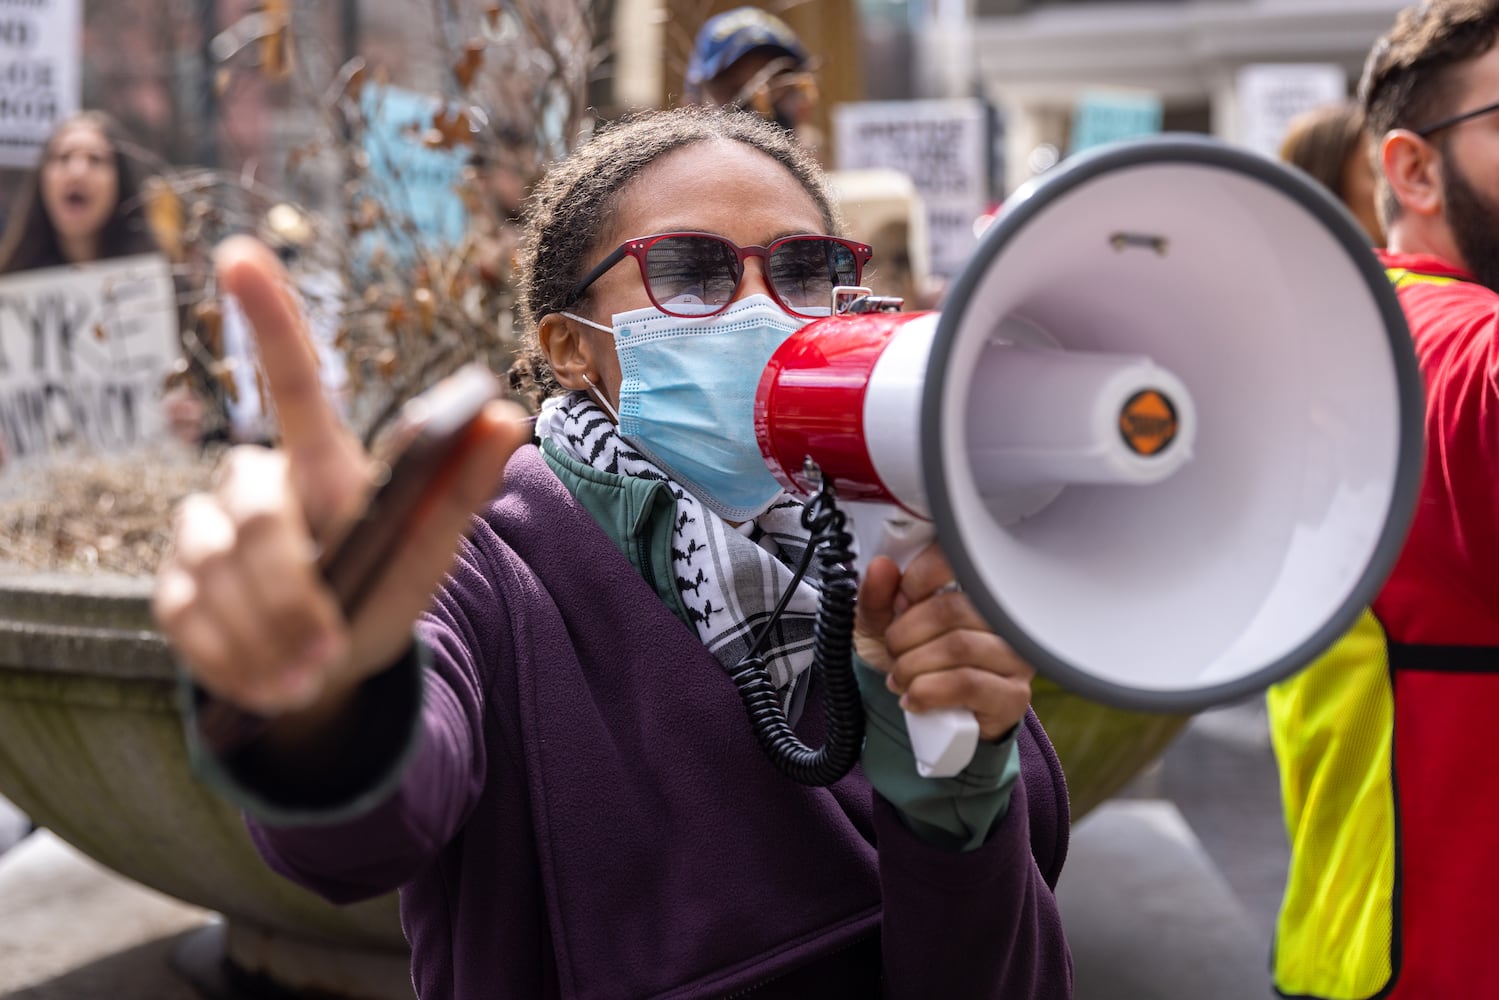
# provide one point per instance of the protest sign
(1270, 95)
(1103, 116)
(83, 351)
(414, 181)
(39, 74)
(943, 146)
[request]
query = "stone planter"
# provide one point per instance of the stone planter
(91, 746)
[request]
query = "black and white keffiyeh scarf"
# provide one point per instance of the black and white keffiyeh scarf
(730, 578)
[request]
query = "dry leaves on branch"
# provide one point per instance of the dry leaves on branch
(468, 64)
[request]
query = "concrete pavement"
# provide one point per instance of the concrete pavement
(73, 930)
(1149, 917)
(13, 825)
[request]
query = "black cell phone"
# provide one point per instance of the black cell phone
(418, 457)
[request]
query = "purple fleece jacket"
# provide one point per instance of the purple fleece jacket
(586, 814)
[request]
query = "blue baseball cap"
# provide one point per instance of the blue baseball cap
(725, 38)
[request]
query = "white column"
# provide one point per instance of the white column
(639, 52)
(1029, 124)
(1223, 98)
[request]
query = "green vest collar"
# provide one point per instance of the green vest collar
(637, 515)
(629, 501)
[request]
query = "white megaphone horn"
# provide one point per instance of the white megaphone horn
(1167, 426)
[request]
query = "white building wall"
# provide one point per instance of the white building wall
(1034, 65)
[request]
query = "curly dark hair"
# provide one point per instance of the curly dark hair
(31, 239)
(1409, 79)
(573, 207)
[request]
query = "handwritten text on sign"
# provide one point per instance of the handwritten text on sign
(83, 351)
(40, 73)
(942, 146)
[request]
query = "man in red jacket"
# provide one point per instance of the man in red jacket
(1386, 747)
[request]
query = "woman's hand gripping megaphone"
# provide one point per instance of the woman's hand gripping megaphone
(957, 679)
(242, 597)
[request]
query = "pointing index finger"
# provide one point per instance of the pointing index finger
(251, 273)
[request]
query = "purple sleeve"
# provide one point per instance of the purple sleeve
(346, 856)
(982, 923)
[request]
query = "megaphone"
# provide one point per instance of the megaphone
(1167, 426)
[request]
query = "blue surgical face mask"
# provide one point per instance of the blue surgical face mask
(687, 397)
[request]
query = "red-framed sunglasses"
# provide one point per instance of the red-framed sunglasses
(698, 274)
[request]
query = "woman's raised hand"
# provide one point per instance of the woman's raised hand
(241, 598)
(935, 649)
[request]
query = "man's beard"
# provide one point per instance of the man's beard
(1474, 221)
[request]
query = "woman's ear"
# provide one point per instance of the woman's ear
(1413, 168)
(565, 344)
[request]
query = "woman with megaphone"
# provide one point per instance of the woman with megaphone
(537, 739)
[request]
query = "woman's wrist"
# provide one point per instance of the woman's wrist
(335, 757)
(317, 725)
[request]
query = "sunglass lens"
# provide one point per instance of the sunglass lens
(691, 274)
(805, 271)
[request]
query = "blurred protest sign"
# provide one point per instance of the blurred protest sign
(83, 352)
(1104, 116)
(414, 170)
(40, 68)
(1271, 94)
(882, 207)
(942, 145)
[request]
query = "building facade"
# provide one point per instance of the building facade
(1034, 59)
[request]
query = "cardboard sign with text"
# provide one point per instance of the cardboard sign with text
(40, 73)
(83, 352)
(415, 182)
(943, 146)
(1270, 96)
(1101, 117)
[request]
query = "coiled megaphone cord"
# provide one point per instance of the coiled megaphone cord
(832, 661)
